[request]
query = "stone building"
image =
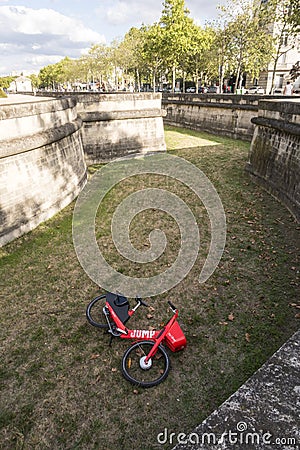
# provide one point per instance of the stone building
(21, 84)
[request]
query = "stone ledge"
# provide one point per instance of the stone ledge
(266, 408)
(280, 125)
(287, 106)
(34, 107)
(27, 143)
(100, 116)
(233, 106)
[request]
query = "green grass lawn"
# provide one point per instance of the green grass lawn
(61, 383)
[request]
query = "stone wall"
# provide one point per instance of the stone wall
(42, 166)
(224, 114)
(46, 143)
(274, 159)
(116, 125)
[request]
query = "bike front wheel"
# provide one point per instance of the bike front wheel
(94, 312)
(137, 371)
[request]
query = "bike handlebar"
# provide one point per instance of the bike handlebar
(172, 306)
(141, 302)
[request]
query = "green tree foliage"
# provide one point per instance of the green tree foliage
(130, 54)
(248, 43)
(5, 82)
(177, 34)
(295, 71)
(152, 53)
(294, 16)
(35, 81)
(240, 41)
(97, 64)
(57, 74)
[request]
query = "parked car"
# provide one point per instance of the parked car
(278, 91)
(213, 89)
(255, 90)
(191, 89)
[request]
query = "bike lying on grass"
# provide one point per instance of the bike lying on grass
(146, 363)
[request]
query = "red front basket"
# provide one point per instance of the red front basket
(175, 339)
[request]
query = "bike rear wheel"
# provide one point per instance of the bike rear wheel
(137, 371)
(94, 312)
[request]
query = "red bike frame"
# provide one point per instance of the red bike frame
(171, 333)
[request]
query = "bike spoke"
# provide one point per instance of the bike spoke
(138, 371)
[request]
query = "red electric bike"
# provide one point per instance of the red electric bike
(146, 363)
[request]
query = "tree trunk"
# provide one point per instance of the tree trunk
(237, 78)
(278, 54)
(273, 74)
(221, 78)
(116, 79)
(173, 78)
(138, 80)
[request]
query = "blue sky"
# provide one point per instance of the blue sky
(35, 33)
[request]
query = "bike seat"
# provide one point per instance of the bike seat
(121, 301)
(119, 304)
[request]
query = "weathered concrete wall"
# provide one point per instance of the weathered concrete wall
(42, 166)
(42, 144)
(225, 114)
(46, 143)
(119, 124)
(274, 159)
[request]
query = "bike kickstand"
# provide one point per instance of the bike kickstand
(110, 340)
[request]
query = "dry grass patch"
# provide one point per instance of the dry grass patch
(61, 384)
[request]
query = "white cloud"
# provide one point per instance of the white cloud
(51, 31)
(40, 36)
(118, 14)
(131, 12)
(46, 21)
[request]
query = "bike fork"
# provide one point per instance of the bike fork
(113, 333)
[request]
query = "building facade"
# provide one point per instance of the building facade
(21, 84)
(275, 77)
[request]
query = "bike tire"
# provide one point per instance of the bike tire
(94, 312)
(131, 365)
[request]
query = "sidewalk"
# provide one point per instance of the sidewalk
(263, 414)
(21, 98)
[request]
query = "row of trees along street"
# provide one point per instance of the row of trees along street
(238, 43)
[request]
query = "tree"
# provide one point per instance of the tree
(218, 61)
(5, 82)
(56, 75)
(97, 64)
(295, 71)
(35, 81)
(200, 53)
(294, 16)
(49, 76)
(130, 54)
(248, 41)
(176, 34)
(152, 52)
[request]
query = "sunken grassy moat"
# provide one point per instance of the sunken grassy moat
(61, 383)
